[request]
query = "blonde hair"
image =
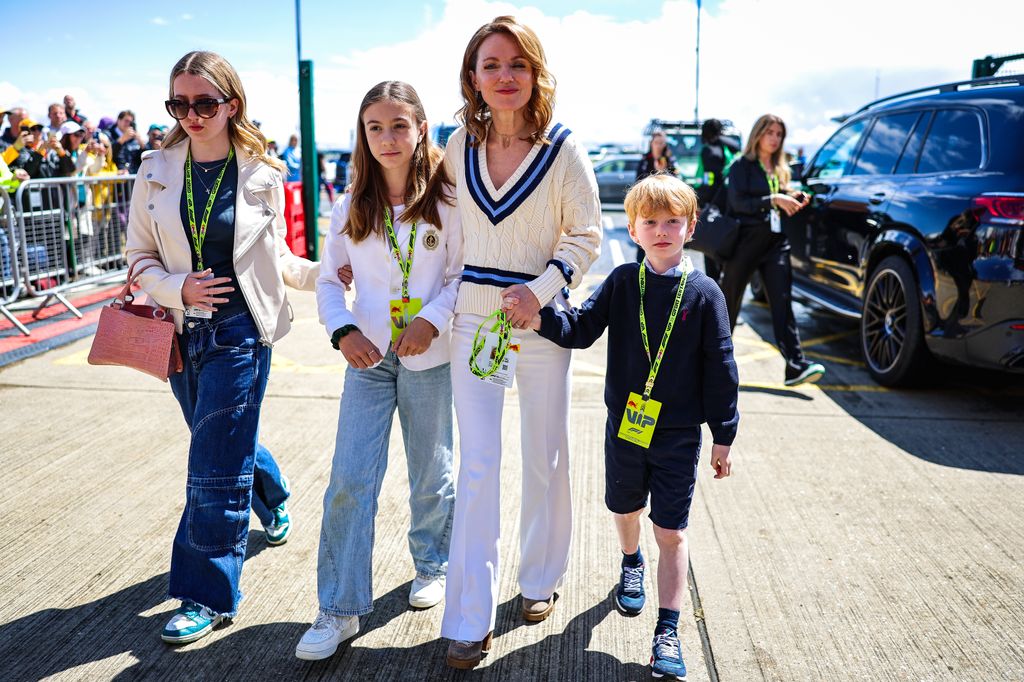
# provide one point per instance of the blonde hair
(475, 114)
(221, 75)
(426, 185)
(661, 192)
(779, 165)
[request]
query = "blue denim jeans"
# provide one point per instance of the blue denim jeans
(424, 402)
(220, 391)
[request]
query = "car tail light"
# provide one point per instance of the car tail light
(1017, 327)
(1003, 208)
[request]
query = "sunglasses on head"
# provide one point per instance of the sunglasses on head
(205, 107)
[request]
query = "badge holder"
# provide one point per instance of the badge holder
(775, 219)
(402, 313)
(496, 352)
(639, 420)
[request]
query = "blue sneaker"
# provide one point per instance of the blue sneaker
(281, 528)
(629, 596)
(190, 622)
(667, 656)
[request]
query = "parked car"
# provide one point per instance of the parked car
(684, 141)
(916, 227)
(615, 175)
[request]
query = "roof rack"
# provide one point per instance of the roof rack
(994, 81)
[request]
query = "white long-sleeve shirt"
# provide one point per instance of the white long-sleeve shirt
(542, 229)
(377, 278)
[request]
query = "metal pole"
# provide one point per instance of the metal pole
(298, 30)
(310, 168)
(696, 94)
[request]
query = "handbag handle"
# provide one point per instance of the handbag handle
(125, 295)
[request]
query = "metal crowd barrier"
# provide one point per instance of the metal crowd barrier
(10, 272)
(69, 232)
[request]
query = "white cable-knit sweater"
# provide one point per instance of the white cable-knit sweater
(548, 210)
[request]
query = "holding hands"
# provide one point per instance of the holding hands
(521, 307)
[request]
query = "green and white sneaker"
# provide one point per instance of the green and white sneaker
(190, 622)
(281, 528)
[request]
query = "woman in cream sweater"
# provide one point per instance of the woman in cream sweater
(531, 227)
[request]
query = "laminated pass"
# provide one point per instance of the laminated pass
(494, 354)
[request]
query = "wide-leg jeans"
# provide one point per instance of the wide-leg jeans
(424, 402)
(220, 392)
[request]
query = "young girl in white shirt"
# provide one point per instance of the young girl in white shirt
(398, 230)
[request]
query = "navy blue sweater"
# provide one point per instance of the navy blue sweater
(697, 381)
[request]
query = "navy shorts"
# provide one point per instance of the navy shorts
(667, 471)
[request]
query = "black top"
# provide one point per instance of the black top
(219, 244)
(697, 382)
(749, 194)
(647, 166)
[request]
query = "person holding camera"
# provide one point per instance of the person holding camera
(127, 146)
(758, 195)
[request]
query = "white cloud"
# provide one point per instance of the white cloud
(159, 21)
(805, 60)
(186, 17)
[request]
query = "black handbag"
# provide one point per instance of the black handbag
(716, 233)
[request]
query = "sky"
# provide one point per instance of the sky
(617, 63)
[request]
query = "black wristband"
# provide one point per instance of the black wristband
(340, 333)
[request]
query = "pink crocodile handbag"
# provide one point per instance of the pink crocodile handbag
(138, 336)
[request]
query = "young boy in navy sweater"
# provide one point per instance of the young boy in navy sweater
(670, 369)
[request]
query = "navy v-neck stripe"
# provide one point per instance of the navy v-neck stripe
(497, 210)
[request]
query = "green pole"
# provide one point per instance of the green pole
(310, 168)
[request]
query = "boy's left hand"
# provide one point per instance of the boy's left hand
(415, 339)
(720, 460)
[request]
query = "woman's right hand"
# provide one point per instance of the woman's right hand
(203, 293)
(788, 204)
(358, 350)
(345, 276)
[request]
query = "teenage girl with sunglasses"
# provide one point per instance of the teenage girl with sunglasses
(399, 232)
(207, 224)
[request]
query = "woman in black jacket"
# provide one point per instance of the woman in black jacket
(758, 193)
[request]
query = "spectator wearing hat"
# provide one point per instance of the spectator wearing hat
(106, 125)
(14, 118)
(154, 140)
(126, 140)
(71, 111)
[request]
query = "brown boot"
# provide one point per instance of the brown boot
(536, 610)
(466, 655)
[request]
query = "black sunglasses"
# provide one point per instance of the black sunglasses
(204, 108)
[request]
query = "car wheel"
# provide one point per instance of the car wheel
(891, 336)
(757, 288)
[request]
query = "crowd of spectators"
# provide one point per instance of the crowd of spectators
(67, 143)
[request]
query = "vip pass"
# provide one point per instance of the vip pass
(199, 235)
(503, 329)
(641, 413)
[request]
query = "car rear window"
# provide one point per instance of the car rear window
(884, 144)
(953, 142)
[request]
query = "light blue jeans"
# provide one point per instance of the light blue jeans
(424, 402)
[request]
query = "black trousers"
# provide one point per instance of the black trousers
(761, 250)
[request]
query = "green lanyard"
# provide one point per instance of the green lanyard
(504, 334)
(404, 265)
(199, 236)
(656, 363)
(773, 180)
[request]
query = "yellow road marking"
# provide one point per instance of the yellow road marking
(836, 359)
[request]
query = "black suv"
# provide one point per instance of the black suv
(916, 227)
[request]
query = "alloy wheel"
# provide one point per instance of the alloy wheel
(885, 321)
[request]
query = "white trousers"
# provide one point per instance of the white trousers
(542, 377)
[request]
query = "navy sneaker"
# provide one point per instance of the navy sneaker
(803, 372)
(629, 596)
(667, 656)
(190, 622)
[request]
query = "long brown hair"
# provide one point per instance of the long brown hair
(475, 114)
(221, 75)
(426, 185)
(781, 168)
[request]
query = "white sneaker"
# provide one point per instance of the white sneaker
(426, 592)
(323, 637)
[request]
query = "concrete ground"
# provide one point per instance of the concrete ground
(865, 534)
